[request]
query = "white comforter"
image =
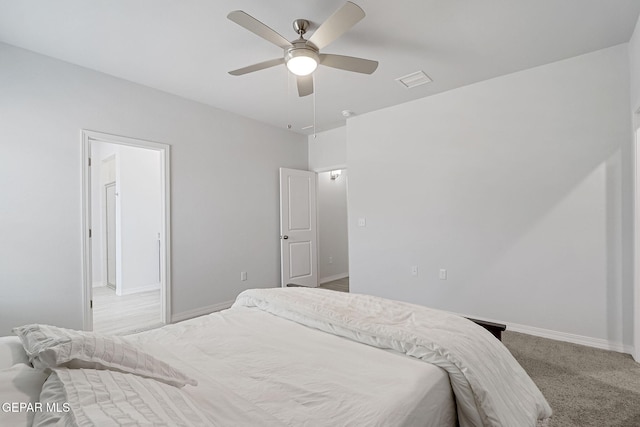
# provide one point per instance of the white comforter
(491, 388)
(279, 357)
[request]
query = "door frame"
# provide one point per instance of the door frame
(636, 235)
(105, 246)
(87, 137)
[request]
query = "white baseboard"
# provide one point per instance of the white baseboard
(560, 336)
(151, 287)
(190, 314)
(334, 277)
(572, 338)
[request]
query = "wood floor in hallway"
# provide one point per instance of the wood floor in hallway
(122, 315)
(341, 285)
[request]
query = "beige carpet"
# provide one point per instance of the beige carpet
(584, 386)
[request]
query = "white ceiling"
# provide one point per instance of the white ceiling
(186, 47)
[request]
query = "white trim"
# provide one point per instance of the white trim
(334, 277)
(87, 275)
(165, 259)
(190, 314)
(103, 194)
(146, 288)
(636, 244)
(572, 338)
(558, 336)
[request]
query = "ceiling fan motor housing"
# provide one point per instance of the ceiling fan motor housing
(300, 26)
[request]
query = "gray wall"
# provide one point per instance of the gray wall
(515, 186)
(333, 246)
(634, 61)
(328, 149)
(224, 186)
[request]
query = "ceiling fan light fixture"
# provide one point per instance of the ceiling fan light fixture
(301, 62)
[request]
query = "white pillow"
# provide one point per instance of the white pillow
(11, 352)
(20, 387)
(50, 347)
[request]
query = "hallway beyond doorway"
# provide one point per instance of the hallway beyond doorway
(127, 314)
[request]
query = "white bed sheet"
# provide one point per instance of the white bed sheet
(11, 352)
(288, 374)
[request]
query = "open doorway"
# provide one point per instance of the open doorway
(333, 244)
(126, 203)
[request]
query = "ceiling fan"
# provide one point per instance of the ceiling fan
(303, 56)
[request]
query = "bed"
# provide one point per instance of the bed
(277, 357)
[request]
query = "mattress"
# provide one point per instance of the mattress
(301, 376)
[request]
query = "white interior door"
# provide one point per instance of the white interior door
(110, 207)
(298, 233)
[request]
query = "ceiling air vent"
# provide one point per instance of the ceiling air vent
(414, 79)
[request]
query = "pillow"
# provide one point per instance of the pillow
(11, 352)
(50, 347)
(20, 387)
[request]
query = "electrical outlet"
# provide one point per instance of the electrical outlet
(243, 276)
(443, 274)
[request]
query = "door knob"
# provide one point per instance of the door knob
(285, 237)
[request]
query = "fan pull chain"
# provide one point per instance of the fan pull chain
(288, 99)
(315, 89)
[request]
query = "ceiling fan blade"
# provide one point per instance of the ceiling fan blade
(256, 67)
(337, 24)
(252, 24)
(305, 85)
(349, 63)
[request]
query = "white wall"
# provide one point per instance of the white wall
(633, 155)
(333, 247)
(514, 185)
(224, 186)
(328, 149)
(634, 62)
(138, 189)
